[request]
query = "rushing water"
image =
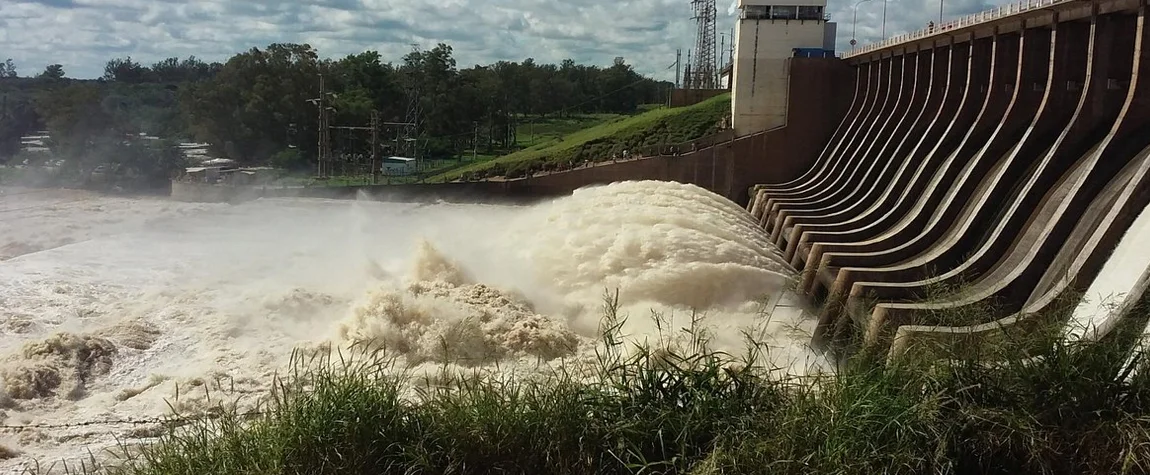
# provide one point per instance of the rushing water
(1114, 285)
(114, 308)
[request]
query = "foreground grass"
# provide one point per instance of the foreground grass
(599, 142)
(1073, 407)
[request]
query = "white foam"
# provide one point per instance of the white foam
(212, 299)
(1114, 283)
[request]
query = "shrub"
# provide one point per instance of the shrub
(292, 159)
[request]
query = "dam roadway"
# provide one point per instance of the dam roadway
(985, 171)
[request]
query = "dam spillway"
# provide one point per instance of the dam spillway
(1001, 157)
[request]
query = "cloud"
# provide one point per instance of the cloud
(83, 34)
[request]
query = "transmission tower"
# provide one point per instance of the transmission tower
(408, 138)
(704, 73)
(324, 157)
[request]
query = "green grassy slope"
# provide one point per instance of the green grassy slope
(599, 142)
(548, 130)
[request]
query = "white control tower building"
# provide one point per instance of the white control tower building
(767, 36)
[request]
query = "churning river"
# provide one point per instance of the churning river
(118, 310)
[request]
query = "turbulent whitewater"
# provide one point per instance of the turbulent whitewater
(115, 309)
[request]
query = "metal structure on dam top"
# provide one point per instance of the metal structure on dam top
(1003, 156)
(969, 20)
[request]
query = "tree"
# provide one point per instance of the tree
(17, 118)
(143, 164)
(433, 77)
(53, 71)
(91, 127)
(126, 71)
(263, 101)
(8, 69)
(196, 70)
(290, 159)
(378, 81)
(172, 70)
(614, 85)
(255, 99)
(78, 122)
(169, 70)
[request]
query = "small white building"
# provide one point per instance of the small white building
(398, 166)
(35, 143)
(767, 34)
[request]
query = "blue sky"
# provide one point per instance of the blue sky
(83, 34)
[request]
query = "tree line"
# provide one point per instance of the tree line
(262, 102)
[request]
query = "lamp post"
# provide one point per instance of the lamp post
(884, 19)
(855, 23)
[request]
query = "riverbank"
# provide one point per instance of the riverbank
(1072, 408)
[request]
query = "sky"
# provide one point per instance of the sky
(83, 35)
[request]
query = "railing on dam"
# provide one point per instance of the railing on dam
(969, 20)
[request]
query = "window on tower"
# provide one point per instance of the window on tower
(811, 13)
(784, 12)
(756, 12)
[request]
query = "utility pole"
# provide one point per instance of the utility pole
(722, 50)
(678, 67)
(855, 23)
(884, 19)
(475, 141)
(688, 82)
(731, 60)
(718, 55)
(374, 147)
(323, 169)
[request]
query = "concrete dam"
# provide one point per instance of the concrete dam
(993, 167)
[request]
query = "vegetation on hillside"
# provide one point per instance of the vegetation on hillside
(1069, 407)
(259, 104)
(605, 141)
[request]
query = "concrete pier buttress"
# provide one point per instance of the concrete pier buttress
(1049, 202)
(875, 95)
(864, 163)
(972, 102)
(1001, 160)
(822, 163)
(1097, 229)
(1070, 47)
(949, 238)
(900, 144)
(868, 83)
(888, 210)
(881, 162)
